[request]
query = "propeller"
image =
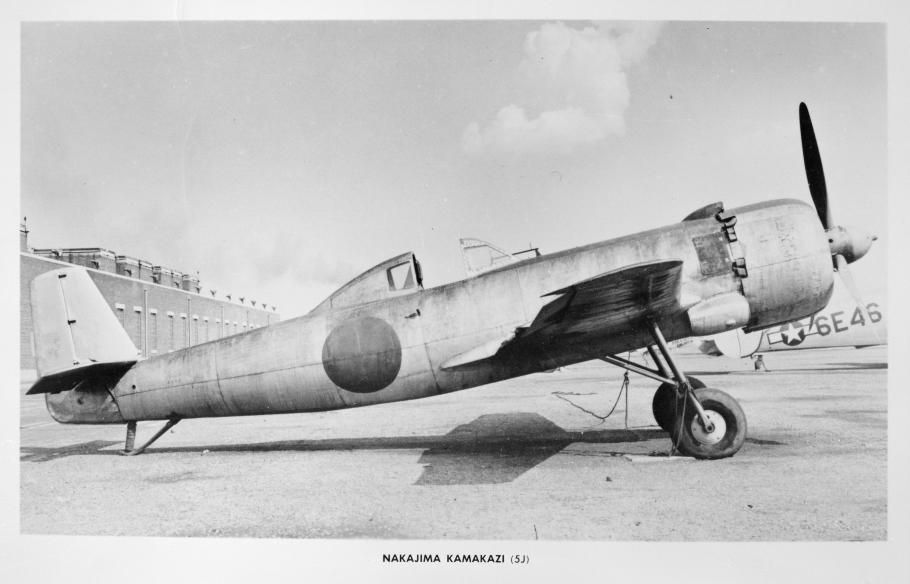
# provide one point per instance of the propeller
(815, 173)
(846, 246)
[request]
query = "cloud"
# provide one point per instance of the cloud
(581, 75)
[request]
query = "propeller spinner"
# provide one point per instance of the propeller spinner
(847, 246)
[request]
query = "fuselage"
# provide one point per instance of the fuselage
(835, 326)
(393, 348)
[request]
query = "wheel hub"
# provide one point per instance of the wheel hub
(716, 435)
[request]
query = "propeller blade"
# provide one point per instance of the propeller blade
(815, 174)
(847, 278)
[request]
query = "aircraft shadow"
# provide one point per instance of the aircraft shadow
(494, 448)
(38, 454)
(498, 448)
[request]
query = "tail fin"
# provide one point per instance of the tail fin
(77, 335)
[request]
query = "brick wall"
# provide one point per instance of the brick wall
(158, 318)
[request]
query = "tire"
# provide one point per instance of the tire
(663, 406)
(730, 427)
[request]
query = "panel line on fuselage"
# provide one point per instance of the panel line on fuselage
(232, 377)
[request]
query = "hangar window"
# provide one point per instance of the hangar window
(185, 336)
(171, 342)
(140, 321)
(194, 331)
(153, 331)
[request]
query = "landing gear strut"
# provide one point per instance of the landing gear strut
(668, 401)
(128, 449)
(702, 422)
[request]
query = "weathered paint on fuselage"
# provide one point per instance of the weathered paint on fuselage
(393, 349)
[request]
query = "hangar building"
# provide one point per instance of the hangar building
(162, 309)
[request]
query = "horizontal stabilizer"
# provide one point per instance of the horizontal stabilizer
(76, 332)
(71, 378)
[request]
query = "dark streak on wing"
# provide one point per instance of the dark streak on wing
(614, 303)
(611, 302)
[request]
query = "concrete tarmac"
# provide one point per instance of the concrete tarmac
(531, 458)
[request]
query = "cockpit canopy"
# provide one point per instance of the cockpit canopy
(402, 275)
(394, 277)
(481, 256)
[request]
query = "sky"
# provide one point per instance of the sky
(281, 159)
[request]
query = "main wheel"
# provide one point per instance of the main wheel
(729, 427)
(664, 404)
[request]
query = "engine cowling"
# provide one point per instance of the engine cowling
(788, 261)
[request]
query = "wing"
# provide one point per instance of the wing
(612, 303)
